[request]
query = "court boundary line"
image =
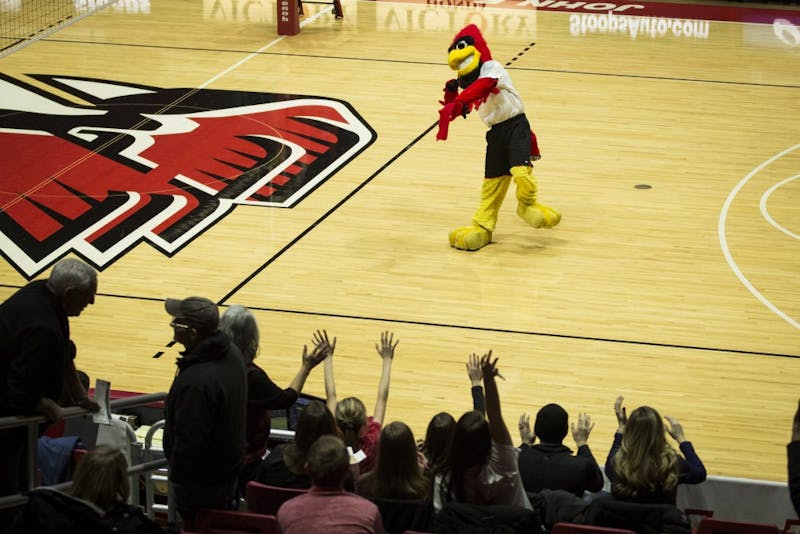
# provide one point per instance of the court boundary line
(765, 210)
(723, 239)
(472, 328)
(531, 333)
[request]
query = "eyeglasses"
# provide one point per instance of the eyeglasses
(175, 324)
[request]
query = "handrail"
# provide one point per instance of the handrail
(20, 499)
(33, 420)
(73, 411)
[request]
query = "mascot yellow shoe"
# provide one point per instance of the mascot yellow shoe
(470, 237)
(536, 214)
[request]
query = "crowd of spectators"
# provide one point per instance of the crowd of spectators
(217, 422)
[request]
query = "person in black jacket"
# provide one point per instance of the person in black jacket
(37, 367)
(550, 464)
(793, 457)
(204, 428)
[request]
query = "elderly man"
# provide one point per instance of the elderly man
(37, 367)
(204, 431)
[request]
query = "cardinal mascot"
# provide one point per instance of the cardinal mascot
(485, 86)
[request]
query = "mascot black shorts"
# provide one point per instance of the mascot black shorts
(508, 144)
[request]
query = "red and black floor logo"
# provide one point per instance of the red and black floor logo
(118, 164)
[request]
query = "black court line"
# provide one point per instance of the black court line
(532, 333)
(438, 64)
(478, 329)
(473, 329)
(661, 78)
(12, 45)
(327, 214)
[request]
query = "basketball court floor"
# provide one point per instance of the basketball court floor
(184, 148)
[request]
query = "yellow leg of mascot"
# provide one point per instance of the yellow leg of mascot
(533, 213)
(480, 233)
(493, 193)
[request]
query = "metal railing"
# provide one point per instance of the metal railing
(143, 462)
(32, 422)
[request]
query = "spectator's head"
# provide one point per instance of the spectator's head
(552, 424)
(472, 443)
(397, 473)
(314, 421)
(645, 429)
(74, 283)
(438, 438)
(645, 461)
(241, 326)
(328, 462)
(193, 319)
(351, 416)
(471, 440)
(102, 477)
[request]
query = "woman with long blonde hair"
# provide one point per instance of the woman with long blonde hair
(360, 431)
(642, 465)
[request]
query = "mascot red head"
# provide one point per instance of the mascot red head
(468, 51)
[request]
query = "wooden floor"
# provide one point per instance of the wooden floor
(673, 278)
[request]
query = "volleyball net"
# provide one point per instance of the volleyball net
(25, 21)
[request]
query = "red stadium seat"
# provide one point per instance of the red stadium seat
(265, 499)
(231, 522)
(571, 528)
(710, 525)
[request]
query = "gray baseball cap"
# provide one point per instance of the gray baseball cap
(198, 312)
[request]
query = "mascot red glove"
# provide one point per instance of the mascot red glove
(484, 85)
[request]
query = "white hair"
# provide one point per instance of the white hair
(241, 326)
(71, 273)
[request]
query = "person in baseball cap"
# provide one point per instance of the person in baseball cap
(199, 313)
(204, 412)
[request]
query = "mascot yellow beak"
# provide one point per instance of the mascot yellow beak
(464, 60)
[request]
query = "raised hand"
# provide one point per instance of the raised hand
(675, 429)
(621, 413)
(474, 369)
(582, 429)
(525, 433)
(489, 366)
(321, 350)
(321, 339)
(387, 345)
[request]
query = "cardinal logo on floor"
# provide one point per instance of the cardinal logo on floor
(134, 163)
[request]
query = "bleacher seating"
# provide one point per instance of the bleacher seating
(232, 522)
(265, 499)
(572, 528)
(709, 525)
